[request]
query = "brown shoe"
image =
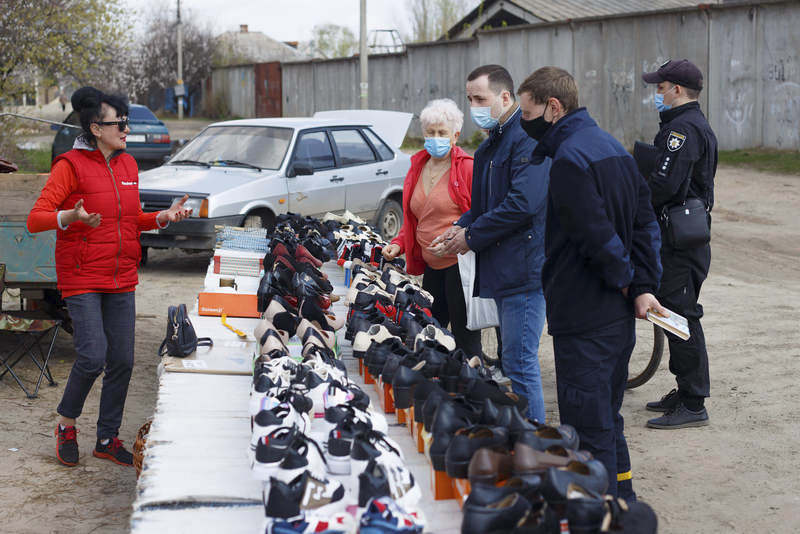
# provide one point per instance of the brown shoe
(490, 465)
(529, 461)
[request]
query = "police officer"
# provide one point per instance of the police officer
(684, 169)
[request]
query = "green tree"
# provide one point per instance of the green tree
(53, 40)
(332, 40)
(432, 19)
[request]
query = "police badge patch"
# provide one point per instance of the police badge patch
(675, 141)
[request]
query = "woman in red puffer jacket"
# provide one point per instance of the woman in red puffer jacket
(92, 201)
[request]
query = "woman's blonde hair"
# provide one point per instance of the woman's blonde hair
(442, 111)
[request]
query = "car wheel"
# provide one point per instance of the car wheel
(259, 219)
(390, 219)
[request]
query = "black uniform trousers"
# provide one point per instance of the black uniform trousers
(684, 273)
(591, 374)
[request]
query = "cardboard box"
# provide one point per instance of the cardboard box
(232, 304)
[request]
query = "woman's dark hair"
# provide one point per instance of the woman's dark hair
(88, 104)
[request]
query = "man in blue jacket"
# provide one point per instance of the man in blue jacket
(602, 245)
(505, 228)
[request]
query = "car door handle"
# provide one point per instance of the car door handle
(337, 179)
(381, 171)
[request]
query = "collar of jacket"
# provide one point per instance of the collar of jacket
(565, 127)
(81, 143)
(512, 118)
(670, 114)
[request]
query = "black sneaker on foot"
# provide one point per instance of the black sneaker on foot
(67, 445)
(114, 451)
(667, 402)
(679, 417)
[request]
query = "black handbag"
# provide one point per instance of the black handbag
(686, 224)
(181, 339)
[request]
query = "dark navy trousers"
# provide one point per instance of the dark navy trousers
(103, 326)
(591, 373)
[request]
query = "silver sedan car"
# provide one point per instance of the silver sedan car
(245, 172)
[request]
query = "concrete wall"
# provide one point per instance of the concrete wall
(749, 54)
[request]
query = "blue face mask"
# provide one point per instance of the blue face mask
(659, 102)
(482, 117)
(437, 147)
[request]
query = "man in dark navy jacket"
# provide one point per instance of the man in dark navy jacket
(602, 266)
(505, 228)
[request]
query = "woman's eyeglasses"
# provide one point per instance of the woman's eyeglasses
(121, 124)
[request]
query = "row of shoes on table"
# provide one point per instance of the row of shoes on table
(318, 446)
(525, 476)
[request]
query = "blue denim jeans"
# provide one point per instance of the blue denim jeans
(104, 326)
(521, 323)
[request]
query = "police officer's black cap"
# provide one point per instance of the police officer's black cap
(680, 72)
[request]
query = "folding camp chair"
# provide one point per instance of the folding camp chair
(29, 331)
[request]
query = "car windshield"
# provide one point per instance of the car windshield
(141, 114)
(264, 147)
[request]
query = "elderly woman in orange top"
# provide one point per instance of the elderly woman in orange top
(436, 192)
(92, 200)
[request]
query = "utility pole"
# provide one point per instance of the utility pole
(362, 56)
(179, 89)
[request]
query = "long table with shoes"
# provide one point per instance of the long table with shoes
(196, 475)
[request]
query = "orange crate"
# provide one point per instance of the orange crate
(385, 396)
(419, 429)
(441, 485)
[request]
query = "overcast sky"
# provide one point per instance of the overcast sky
(289, 20)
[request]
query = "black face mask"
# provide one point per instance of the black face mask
(535, 128)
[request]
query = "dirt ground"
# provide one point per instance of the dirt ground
(736, 475)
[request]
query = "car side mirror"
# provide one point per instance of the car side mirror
(300, 169)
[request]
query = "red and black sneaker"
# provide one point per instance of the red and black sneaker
(114, 451)
(67, 445)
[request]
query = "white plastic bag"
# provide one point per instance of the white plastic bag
(481, 312)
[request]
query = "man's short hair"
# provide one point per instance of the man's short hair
(499, 78)
(551, 82)
(694, 94)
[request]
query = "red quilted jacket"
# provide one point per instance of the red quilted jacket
(105, 257)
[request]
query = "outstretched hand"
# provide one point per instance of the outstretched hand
(176, 212)
(80, 214)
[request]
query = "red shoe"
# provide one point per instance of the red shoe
(67, 445)
(114, 451)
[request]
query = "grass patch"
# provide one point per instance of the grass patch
(36, 161)
(763, 159)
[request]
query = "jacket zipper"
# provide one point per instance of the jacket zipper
(491, 171)
(119, 222)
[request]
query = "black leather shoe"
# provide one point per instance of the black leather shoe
(436, 397)
(667, 402)
(679, 417)
(584, 510)
(500, 516)
(546, 436)
(377, 355)
(632, 518)
(434, 355)
(481, 389)
(591, 475)
(404, 382)
(516, 423)
(468, 440)
(527, 487)
(421, 394)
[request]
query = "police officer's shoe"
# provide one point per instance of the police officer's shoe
(667, 402)
(680, 417)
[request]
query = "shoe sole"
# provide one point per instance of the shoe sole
(675, 427)
(106, 456)
(657, 410)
